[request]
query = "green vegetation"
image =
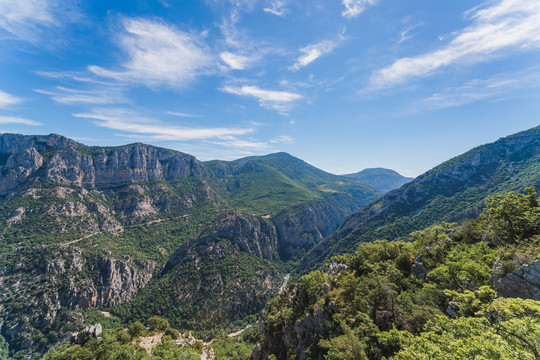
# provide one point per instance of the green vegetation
(208, 293)
(375, 304)
(234, 348)
(126, 344)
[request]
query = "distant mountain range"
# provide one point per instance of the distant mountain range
(381, 179)
(452, 191)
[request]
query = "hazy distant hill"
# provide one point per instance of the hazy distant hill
(381, 179)
(451, 191)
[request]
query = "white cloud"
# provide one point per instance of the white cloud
(237, 62)
(183, 114)
(23, 19)
(17, 120)
(405, 34)
(496, 88)
(234, 142)
(276, 7)
(354, 8)
(8, 99)
(68, 96)
(282, 139)
(277, 100)
(240, 50)
(503, 25)
(315, 51)
(130, 122)
(158, 55)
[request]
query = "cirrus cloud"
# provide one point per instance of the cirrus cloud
(354, 8)
(130, 122)
(18, 120)
(158, 54)
(8, 99)
(504, 25)
(315, 51)
(270, 99)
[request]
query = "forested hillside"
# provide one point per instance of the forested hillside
(455, 292)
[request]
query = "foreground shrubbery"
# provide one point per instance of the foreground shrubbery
(375, 304)
(125, 344)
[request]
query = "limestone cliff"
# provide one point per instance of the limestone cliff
(56, 159)
(38, 282)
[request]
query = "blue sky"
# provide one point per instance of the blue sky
(342, 84)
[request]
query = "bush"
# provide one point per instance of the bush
(158, 323)
(136, 329)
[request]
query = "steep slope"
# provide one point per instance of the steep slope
(56, 159)
(451, 191)
(226, 274)
(441, 296)
(380, 179)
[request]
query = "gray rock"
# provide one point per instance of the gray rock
(104, 167)
(419, 269)
(523, 282)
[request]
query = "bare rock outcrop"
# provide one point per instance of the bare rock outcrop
(42, 281)
(301, 227)
(56, 159)
(524, 282)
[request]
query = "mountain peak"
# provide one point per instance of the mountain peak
(381, 179)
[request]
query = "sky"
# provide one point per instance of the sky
(342, 84)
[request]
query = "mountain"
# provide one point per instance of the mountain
(453, 191)
(383, 180)
(112, 226)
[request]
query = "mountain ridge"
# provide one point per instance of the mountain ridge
(451, 191)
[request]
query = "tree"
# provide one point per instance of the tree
(158, 323)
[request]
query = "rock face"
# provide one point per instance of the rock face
(16, 143)
(524, 282)
(301, 227)
(42, 280)
(247, 233)
(299, 338)
(225, 274)
(56, 159)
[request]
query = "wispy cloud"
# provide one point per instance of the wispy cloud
(18, 120)
(312, 52)
(158, 54)
(354, 8)
(240, 49)
(276, 7)
(406, 34)
(183, 114)
(282, 139)
(236, 61)
(24, 19)
(8, 100)
(270, 99)
(128, 121)
(496, 88)
(63, 95)
(502, 25)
